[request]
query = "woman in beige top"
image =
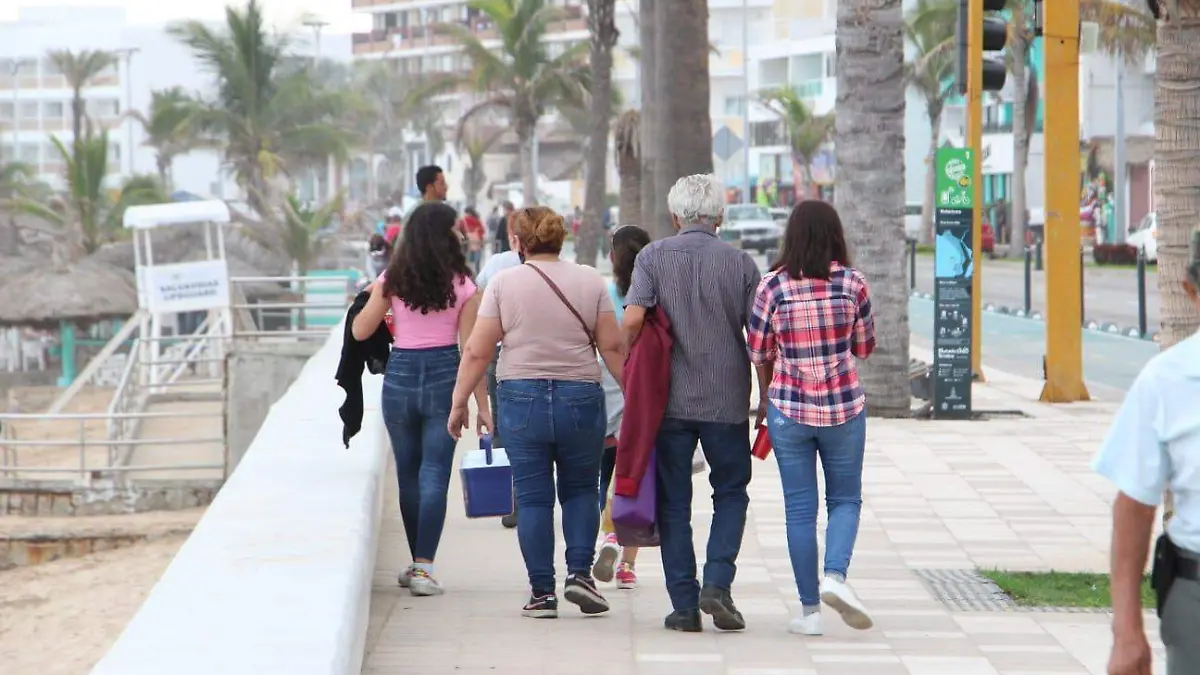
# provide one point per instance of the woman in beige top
(550, 316)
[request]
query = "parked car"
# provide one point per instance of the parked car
(751, 227)
(1144, 237)
(780, 215)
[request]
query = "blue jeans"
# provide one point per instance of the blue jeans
(841, 450)
(417, 389)
(554, 426)
(727, 450)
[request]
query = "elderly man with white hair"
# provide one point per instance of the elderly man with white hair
(706, 287)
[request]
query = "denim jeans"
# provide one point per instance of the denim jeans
(554, 426)
(417, 389)
(727, 449)
(841, 449)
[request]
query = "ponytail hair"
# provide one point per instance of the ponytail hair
(627, 241)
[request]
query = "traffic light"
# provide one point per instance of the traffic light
(995, 37)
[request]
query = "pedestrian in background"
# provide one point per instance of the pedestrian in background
(706, 289)
(626, 243)
(428, 287)
(1154, 446)
(474, 230)
(811, 321)
(551, 316)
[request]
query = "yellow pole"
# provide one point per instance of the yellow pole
(1064, 320)
(975, 143)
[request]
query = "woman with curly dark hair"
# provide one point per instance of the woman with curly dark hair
(434, 303)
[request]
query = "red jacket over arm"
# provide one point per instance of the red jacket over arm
(647, 376)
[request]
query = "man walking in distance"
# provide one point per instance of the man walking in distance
(706, 288)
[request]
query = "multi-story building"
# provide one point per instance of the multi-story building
(35, 100)
(411, 35)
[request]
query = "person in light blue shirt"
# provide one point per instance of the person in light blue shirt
(1153, 446)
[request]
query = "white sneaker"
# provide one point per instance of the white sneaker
(838, 595)
(405, 577)
(806, 625)
(606, 557)
(421, 584)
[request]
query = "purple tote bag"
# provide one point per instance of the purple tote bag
(634, 517)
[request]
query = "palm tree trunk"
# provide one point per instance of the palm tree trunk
(602, 23)
(869, 138)
(525, 130)
(163, 163)
(926, 234)
(629, 168)
(1020, 134)
(1176, 182)
(650, 113)
(686, 123)
(77, 113)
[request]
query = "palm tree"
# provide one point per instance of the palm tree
(869, 138)
(519, 78)
(475, 141)
(602, 29)
(627, 151)
(79, 69)
(683, 125)
(16, 178)
(86, 216)
(647, 118)
(1176, 187)
(806, 132)
(269, 117)
(168, 129)
(393, 107)
(931, 74)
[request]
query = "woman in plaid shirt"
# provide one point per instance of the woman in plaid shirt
(811, 321)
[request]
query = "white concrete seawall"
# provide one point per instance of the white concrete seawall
(276, 577)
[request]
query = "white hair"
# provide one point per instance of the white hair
(698, 200)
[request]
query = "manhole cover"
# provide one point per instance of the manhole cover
(969, 591)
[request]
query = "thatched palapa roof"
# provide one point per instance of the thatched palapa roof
(37, 293)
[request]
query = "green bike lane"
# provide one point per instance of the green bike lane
(1017, 345)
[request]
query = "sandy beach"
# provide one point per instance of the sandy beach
(60, 618)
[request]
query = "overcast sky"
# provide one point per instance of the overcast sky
(281, 12)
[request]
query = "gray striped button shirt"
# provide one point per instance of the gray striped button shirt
(707, 289)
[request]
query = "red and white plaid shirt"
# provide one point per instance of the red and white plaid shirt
(812, 329)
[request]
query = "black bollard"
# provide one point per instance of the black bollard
(1037, 254)
(1028, 281)
(1141, 293)
(912, 264)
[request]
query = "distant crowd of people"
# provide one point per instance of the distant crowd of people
(588, 383)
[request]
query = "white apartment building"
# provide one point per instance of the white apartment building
(797, 49)
(35, 102)
(408, 34)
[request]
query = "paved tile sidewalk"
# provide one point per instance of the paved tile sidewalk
(1012, 493)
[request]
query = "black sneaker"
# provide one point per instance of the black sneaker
(541, 606)
(684, 621)
(718, 603)
(581, 590)
(509, 521)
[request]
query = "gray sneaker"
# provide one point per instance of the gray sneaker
(421, 584)
(405, 577)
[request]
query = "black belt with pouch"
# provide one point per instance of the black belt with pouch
(1169, 565)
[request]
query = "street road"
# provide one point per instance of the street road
(1111, 293)
(1016, 345)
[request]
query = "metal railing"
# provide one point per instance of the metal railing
(158, 365)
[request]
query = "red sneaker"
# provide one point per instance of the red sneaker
(626, 577)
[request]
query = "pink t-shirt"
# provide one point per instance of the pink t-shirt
(413, 330)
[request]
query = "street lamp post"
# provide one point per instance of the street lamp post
(316, 24)
(127, 53)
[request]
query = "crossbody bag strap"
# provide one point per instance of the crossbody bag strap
(567, 303)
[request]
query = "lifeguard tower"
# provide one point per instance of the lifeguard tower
(167, 290)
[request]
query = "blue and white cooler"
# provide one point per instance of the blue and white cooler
(487, 481)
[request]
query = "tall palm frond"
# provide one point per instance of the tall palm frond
(79, 69)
